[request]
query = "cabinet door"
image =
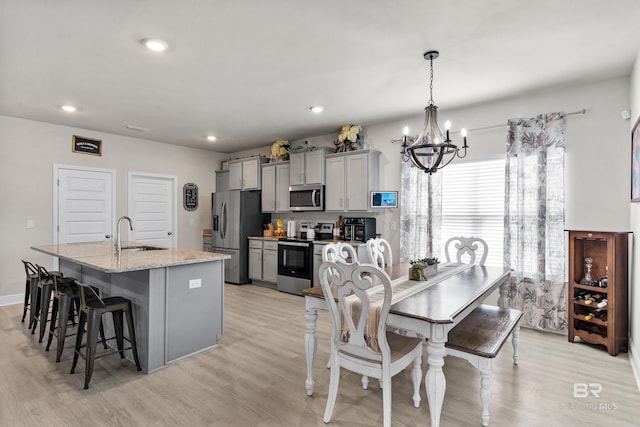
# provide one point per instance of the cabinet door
(270, 266)
(282, 187)
(317, 262)
(235, 176)
(296, 171)
(269, 189)
(356, 183)
(335, 196)
(255, 263)
(251, 174)
(314, 167)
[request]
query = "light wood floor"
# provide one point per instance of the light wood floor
(256, 378)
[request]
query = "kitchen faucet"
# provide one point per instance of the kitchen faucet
(118, 239)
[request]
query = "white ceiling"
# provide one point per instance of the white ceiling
(247, 71)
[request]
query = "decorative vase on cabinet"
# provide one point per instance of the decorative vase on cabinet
(598, 289)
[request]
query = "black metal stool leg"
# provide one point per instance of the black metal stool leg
(27, 295)
(92, 340)
(81, 321)
(119, 329)
(65, 303)
(44, 309)
(132, 336)
(52, 324)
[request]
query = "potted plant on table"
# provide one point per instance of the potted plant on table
(422, 268)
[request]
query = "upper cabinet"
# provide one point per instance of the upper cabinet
(275, 187)
(350, 177)
(245, 174)
(308, 167)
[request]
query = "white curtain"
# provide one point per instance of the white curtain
(420, 213)
(534, 244)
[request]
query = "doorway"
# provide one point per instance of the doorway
(83, 204)
(153, 208)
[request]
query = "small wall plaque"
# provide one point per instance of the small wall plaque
(81, 144)
(190, 196)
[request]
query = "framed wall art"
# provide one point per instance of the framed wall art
(635, 162)
(81, 144)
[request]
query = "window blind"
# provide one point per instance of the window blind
(473, 205)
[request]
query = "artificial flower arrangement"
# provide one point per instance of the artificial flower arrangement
(280, 149)
(349, 133)
(420, 269)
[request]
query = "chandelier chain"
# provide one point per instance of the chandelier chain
(431, 84)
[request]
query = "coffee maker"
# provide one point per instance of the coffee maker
(359, 229)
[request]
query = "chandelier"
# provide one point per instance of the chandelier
(432, 150)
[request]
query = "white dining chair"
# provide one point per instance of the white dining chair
(344, 252)
(379, 252)
(343, 286)
(467, 248)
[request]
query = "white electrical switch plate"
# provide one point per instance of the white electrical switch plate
(30, 223)
(195, 283)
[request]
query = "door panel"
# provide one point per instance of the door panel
(233, 215)
(152, 208)
(83, 204)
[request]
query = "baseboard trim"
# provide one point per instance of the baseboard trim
(635, 361)
(11, 299)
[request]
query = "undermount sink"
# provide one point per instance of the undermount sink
(141, 248)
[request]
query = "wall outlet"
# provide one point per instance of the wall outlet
(195, 283)
(30, 223)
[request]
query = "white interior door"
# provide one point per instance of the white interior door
(84, 204)
(153, 208)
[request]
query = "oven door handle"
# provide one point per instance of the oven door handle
(306, 245)
(313, 198)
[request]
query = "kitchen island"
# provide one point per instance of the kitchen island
(177, 294)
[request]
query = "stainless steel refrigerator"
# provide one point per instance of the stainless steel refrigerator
(236, 215)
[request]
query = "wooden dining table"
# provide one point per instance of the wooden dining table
(431, 313)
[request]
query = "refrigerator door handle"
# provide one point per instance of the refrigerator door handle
(223, 229)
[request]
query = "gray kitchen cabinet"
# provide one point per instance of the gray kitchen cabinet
(255, 259)
(263, 260)
(350, 178)
(270, 261)
(275, 187)
(246, 174)
(308, 167)
(317, 262)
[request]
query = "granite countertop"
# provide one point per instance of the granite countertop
(102, 256)
(263, 238)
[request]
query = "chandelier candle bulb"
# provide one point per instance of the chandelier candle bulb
(447, 126)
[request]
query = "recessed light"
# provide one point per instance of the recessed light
(68, 108)
(211, 138)
(155, 45)
(317, 109)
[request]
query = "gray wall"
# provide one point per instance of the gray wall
(28, 151)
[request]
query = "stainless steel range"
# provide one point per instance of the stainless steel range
(295, 265)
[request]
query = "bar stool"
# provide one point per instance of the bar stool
(30, 288)
(92, 307)
(66, 294)
(43, 298)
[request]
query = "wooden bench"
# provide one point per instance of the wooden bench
(479, 337)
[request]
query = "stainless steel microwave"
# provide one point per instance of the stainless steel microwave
(306, 197)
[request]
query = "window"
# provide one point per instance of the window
(473, 204)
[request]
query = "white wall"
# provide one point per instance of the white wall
(28, 150)
(634, 212)
(597, 152)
